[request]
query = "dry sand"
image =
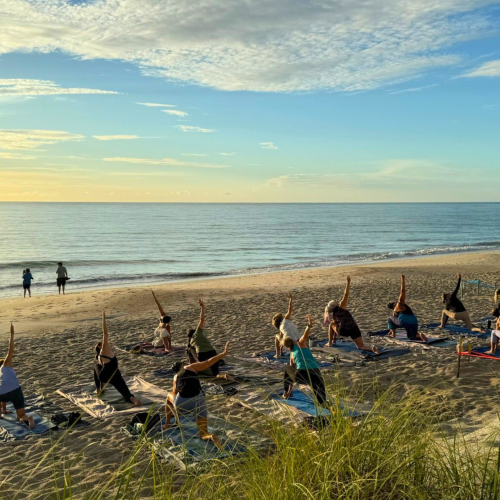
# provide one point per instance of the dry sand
(55, 336)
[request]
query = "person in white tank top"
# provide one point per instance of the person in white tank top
(286, 327)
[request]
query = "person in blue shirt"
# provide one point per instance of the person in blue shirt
(27, 278)
(304, 367)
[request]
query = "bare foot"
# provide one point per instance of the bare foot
(490, 352)
(136, 401)
(214, 439)
(375, 350)
(423, 337)
(28, 421)
(165, 427)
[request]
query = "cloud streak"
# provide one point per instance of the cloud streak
(254, 45)
(32, 139)
(156, 105)
(22, 87)
(268, 145)
(168, 162)
(189, 128)
(115, 137)
(175, 112)
(491, 68)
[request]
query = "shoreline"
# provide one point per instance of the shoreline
(55, 313)
(222, 275)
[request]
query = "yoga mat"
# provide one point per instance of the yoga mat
(402, 337)
(268, 359)
(350, 347)
(457, 330)
(150, 350)
(305, 403)
(110, 403)
(11, 429)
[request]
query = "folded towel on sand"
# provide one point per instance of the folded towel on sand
(110, 403)
(11, 429)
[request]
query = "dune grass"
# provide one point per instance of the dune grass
(396, 451)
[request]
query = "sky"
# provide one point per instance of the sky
(250, 100)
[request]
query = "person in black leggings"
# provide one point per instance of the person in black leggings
(106, 368)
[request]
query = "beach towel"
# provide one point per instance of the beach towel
(457, 330)
(402, 337)
(350, 348)
(11, 429)
(110, 403)
(181, 445)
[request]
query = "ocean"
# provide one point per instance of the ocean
(114, 244)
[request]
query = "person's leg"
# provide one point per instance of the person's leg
(332, 333)
(121, 386)
(29, 291)
(495, 335)
(204, 356)
(26, 419)
(63, 286)
(314, 379)
(445, 315)
(393, 323)
(17, 398)
(277, 345)
(202, 421)
(465, 318)
(169, 409)
(362, 346)
(288, 381)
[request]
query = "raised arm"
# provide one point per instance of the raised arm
(345, 298)
(10, 354)
(290, 307)
(162, 312)
(205, 365)
(402, 294)
(106, 348)
(201, 324)
(307, 332)
(457, 288)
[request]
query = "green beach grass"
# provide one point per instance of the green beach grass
(396, 451)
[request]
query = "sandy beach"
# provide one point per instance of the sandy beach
(55, 336)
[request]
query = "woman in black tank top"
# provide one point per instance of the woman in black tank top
(341, 323)
(106, 370)
(187, 395)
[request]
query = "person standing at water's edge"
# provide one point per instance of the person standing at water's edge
(27, 278)
(62, 276)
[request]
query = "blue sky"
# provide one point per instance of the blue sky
(264, 101)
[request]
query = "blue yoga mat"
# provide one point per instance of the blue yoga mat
(12, 429)
(404, 338)
(285, 359)
(305, 403)
(482, 350)
(457, 330)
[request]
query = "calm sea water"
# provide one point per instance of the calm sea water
(116, 244)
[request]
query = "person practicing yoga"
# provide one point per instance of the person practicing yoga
(454, 309)
(286, 328)
(106, 368)
(403, 317)
(27, 278)
(162, 334)
(10, 390)
(495, 336)
(303, 367)
(187, 398)
(341, 323)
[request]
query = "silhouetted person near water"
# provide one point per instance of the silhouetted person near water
(62, 276)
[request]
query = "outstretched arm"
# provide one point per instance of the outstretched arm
(345, 298)
(402, 294)
(290, 307)
(201, 324)
(305, 336)
(457, 288)
(162, 312)
(10, 354)
(106, 348)
(205, 365)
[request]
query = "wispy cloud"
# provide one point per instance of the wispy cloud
(115, 137)
(156, 105)
(227, 154)
(268, 145)
(175, 112)
(15, 156)
(24, 87)
(189, 128)
(413, 89)
(169, 162)
(32, 139)
(255, 45)
(491, 68)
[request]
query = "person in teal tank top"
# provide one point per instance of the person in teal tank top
(303, 367)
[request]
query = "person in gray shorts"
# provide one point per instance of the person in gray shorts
(187, 398)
